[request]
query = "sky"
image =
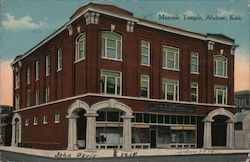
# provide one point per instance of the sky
(24, 23)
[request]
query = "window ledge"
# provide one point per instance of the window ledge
(26, 125)
(113, 59)
(59, 70)
(197, 73)
(146, 65)
(76, 61)
(57, 122)
(47, 75)
(34, 123)
(218, 76)
(36, 80)
(17, 88)
(45, 122)
(171, 69)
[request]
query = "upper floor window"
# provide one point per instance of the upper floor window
(220, 94)
(37, 97)
(220, 66)
(59, 59)
(28, 75)
(194, 92)
(170, 58)
(57, 118)
(45, 119)
(80, 47)
(35, 121)
(37, 70)
(111, 82)
(194, 62)
(170, 89)
(47, 94)
(17, 102)
(145, 53)
(47, 66)
(111, 45)
(17, 80)
(144, 86)
(27, 122)
(28, 98)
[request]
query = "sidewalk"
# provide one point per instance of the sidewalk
(118, 153)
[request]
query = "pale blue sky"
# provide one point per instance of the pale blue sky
(27, 22)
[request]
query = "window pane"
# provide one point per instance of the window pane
(173, 119)
(111, 85)
(138, 117)
(144, 59)
(113, 116)
(103, 47)
(186, 119)
(102, 84)
(160, 118)
(153, 118)
(146, 118)
(118, 86)
(167, 119)
(111, 53)
(119, 50)
(180, 119)
(101, 116)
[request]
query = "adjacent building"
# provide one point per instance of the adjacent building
(242, 100)
(107, 79)
(5, 125)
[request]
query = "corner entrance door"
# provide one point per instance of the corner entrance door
(153, 138)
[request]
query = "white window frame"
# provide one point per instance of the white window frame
(176, 57)
(197, 91)
(27, 122)
(59, 59)
(47, 65)
(37, 99)
(77, 47)
(28, 75)
(47, 94)
(176, 95)
(45, 119)
(196, 63)
(17, 80)
(28, 98)
(143, 54)
(35, 120)
(37, 71)
(116, 81)
(105, 46)
(17, 102)
(224, 94)
(145, 78)
(57, 118)
(224, 68)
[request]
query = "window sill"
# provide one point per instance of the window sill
(35, 124)
(218, 76)
(59, 70)
(196, 73)
(171, 69)
(146, 65)
(47, 75)
(57, 122)
(17, 88)
(113, 59)
(45, 123)
(26, 125)
(37, 80)
(76, 61)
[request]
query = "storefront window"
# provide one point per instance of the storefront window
(140, 135)
(108, 135)
(146, 118)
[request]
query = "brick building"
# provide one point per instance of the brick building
(242, 100)
(107, 79)
(5, 125)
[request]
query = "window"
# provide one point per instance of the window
(28, 75)
(80, 47)
(170, 58)
(17, 80)
(35, 121)
(144, 90)
(170, 89)
(59, 59)
(37, 97)
(220, 66)
(47, 94)
(47, 65)
(27, 122)
(57, 118)
(111, 82)
(145, 53)
(16, 102)
(220, 94)
(194, 92)
(37, 70)
(45, 119)
(194, 62)
(28, 98)
(111, 45)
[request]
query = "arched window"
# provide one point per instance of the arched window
(111, 45)
(80, 47)
(220, 66)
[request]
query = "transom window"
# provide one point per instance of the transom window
(194, 92)
(111, 45)
(80, 47)
(47, 70)
(145, 53)
(37, 71)
(144, 86)
(111, 82)
(170, 89)
(220, 94)
(220, 66)
(59, 59)
(194, 62)
(170, 58)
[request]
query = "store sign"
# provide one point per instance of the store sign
(170, 108)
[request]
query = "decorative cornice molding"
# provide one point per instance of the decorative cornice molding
(91, 17)
(210, 45)
(130, 26)
(70, 30)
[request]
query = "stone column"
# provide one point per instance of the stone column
(230, 134)
(91, 131)
(127, 132)
(13, 137)
(72, 132)
(207, 138)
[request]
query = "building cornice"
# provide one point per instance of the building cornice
(139, 21)
(122, 97)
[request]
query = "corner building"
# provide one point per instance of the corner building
(107, 79)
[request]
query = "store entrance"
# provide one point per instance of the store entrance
(219, 130)
(81, 129)
(153, 138)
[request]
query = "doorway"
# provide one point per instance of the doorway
(81, 129)
(219, 130)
